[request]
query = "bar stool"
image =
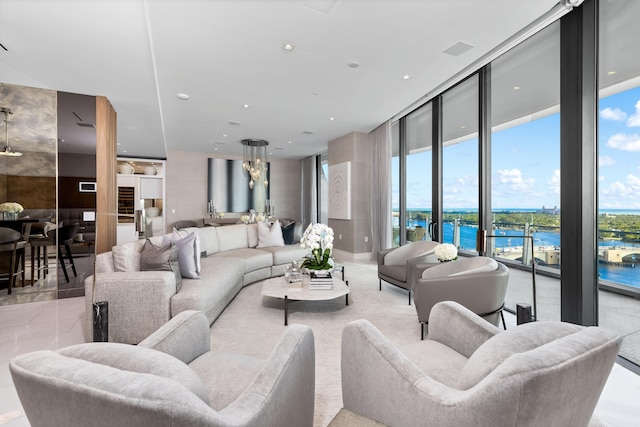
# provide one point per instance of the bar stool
(65, 235)
(39, 242)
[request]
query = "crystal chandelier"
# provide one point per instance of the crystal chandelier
(7, 150)
(254, 160)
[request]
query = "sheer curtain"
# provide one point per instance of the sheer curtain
(380, 188)
(309, 197)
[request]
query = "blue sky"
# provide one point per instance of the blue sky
(619, 157)
(526, 163)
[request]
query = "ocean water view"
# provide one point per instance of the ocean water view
(545, 238)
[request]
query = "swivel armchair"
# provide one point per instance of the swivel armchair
(397, 266)
(478, 283)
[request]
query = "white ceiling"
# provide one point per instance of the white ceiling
(226, 53)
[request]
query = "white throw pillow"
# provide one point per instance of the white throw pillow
(188, 245)
(126, 257)
(270, 234)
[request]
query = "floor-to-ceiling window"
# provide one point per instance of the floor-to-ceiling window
(527, 135)
(460, 164)
(418, 172)
(525, 163)
(619, 171)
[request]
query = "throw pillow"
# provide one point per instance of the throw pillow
(288, 233)
(126, 257)
(165, 258)
(269, 234)
(188, 246)
(252, 234)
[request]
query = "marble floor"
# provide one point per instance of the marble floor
(58, 323)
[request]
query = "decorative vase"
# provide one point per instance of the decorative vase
(101, 321)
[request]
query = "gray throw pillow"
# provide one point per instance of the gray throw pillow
(165, 258)
(288, 233)
(188, 246)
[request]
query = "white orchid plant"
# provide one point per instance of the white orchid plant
(446, 252)
(12, 207)
(319, 239)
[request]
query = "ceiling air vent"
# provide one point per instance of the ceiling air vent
(458, 48)
(234, 123)
(308, 132)
(86, 125)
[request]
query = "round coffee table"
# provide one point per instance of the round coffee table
(278, 287)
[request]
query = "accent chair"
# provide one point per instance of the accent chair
(471, 373)
(172, 378)
(478, 283)
(397, 266)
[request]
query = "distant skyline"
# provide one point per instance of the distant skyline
(526, 164)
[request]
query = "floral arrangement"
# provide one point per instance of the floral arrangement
(12, 207)
(446, 252)
(319, 239)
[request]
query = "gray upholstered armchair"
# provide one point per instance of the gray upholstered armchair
(397, 266)
(478, 283)
(172, 378)
(471, 373)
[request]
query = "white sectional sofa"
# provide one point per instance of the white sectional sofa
(142, 301)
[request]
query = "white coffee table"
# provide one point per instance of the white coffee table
(277, 287)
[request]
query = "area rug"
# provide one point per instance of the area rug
(252, 324)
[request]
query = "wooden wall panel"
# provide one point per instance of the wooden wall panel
(106, 155)
(70, 195)
(32, 192)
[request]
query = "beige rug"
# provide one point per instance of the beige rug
(252, 324)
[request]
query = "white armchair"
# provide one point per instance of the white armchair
(470, 373)
(398, 266)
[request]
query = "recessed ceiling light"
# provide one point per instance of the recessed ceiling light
(406, 77)
(183, 96)
(124, 151)
(225, 135)
(463, 127)
(332, 118)
(516, 88)
(246, 105)
(611, 73)
(353, 64)
(289, 142)
(288, 46)
(118, 143)
(215, 148)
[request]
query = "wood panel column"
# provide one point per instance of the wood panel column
(106, 165)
